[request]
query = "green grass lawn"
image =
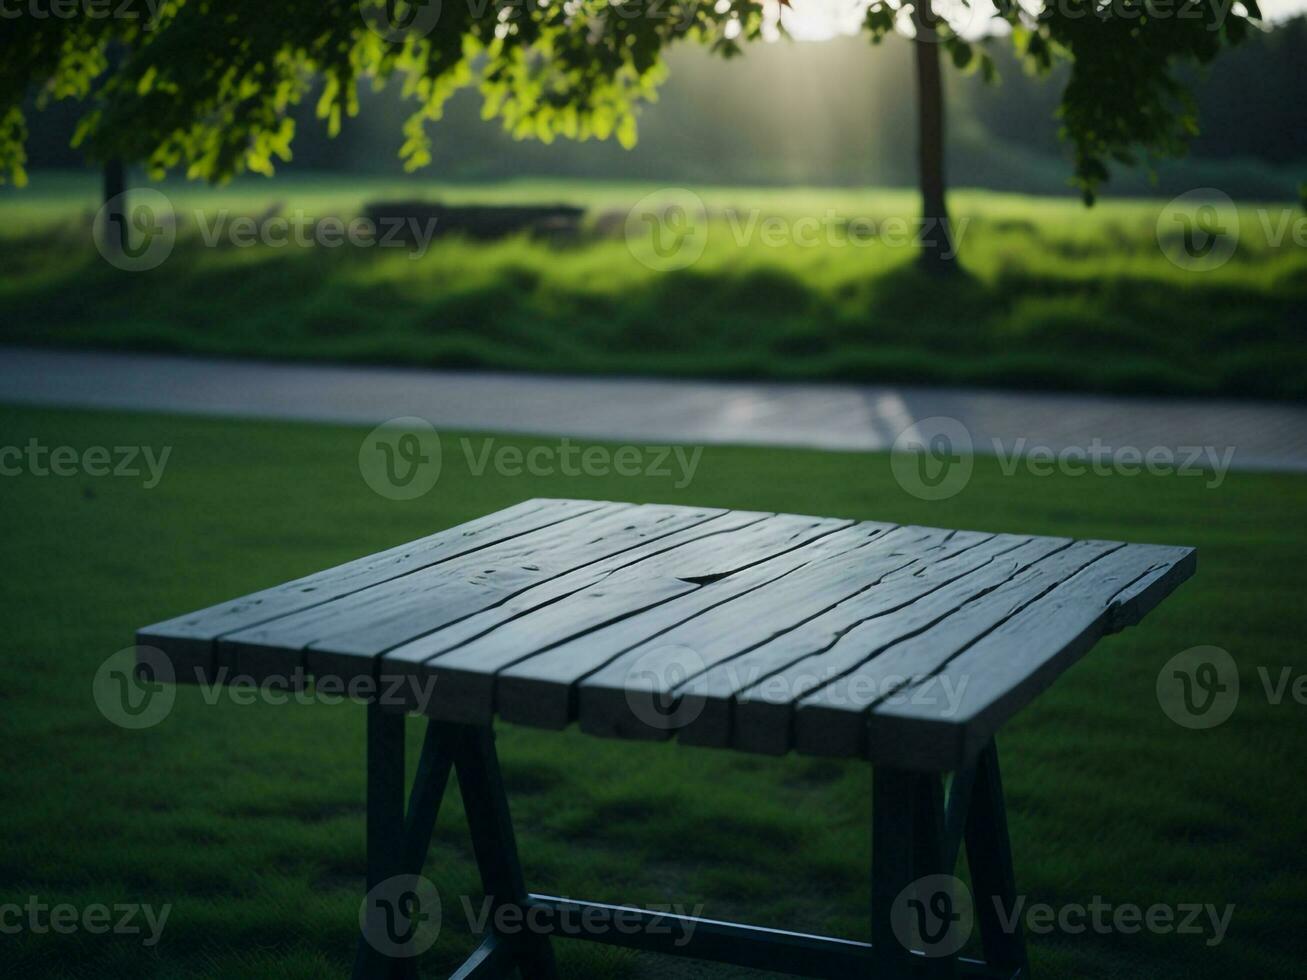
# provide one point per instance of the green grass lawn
(248, 819)
(1054, 296)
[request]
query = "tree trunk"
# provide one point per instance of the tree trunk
(114, 230)
(937, 255)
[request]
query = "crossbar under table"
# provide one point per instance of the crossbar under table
(918, 831)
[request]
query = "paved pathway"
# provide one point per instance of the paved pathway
(826, 416)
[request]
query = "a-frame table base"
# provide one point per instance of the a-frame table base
(916, 832)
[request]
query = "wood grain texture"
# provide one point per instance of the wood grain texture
(189, 640)
(543, 689)
(341, 637)
(831, 720)
(466, 675)
(1016, 661)
(761, 632)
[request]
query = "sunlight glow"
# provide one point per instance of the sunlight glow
(821, 20)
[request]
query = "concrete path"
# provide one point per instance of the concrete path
(1265, 436)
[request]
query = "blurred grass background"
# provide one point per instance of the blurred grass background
(1054, 296)
(248, 819)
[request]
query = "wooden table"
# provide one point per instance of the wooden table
(905, 646)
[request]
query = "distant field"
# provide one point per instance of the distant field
(1055, 296)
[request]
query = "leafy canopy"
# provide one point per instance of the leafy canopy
(207, 84)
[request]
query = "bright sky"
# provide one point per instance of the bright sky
(820, 20)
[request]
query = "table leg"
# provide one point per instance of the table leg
(493, 841)
(385, 829)
(909, 846)
(891, 863)
(398, 843)
(989, 855)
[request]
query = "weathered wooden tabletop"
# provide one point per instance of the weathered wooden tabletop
(906, 645)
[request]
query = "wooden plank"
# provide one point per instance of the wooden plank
(340, 637)
(763, 717)
(540, 690)
(189, 639)
(739, 523)
(1012, 664)
(829, 720)
(462, 674)
(747, 676)
(621, 698)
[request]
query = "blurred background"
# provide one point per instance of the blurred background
(822, 129)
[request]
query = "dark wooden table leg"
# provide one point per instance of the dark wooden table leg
(929, 860)
(891, 865)
(493, 841)
(909, 847)
(398, 842)
(429, 783)
(385, 829)
(989, 855)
